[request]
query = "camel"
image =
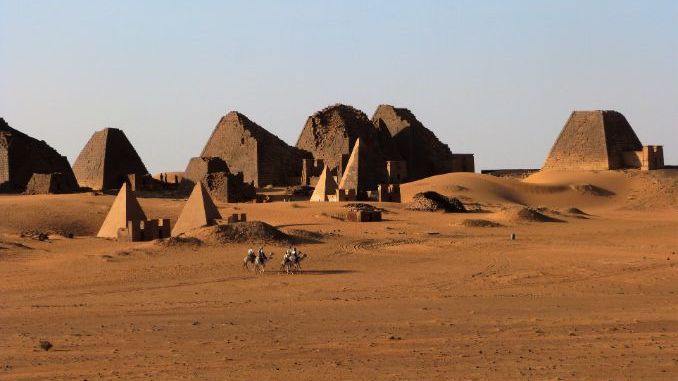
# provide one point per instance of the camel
(260, 263)
(291, 264)
(250, 258)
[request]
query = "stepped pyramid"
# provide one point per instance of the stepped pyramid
(21, 156)
(246, 147)
(326, 186)
(125, 208)
(106, 160)
(199, 211)
(593, 140)
(357, 172)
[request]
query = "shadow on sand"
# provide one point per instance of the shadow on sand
(320, 272)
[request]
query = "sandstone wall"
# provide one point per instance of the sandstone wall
(198, 167)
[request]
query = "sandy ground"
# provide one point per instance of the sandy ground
(418, 296)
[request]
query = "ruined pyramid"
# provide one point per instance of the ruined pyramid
(326, 186)
(330, 133)
(593, 140)
(246, 147)
(125, 208)
(425, 154)
(199, 211)
(106, 160)
(21, 156)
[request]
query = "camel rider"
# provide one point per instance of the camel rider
(250, 255)
(262, 255)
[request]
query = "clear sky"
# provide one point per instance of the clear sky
(496, 78)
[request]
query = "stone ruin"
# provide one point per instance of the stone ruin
(601, 140)
(423, 152)
(107, 160)
(199, 211)
(126, 221)
(330, 135)
(216, 177)
(22, 156)
(262, 157)
(311, 169)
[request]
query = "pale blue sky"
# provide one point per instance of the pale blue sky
(496, 78)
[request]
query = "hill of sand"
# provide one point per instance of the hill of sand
(420, 295)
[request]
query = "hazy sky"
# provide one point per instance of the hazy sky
(496, 78)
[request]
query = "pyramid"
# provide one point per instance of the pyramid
(46, 183)
(246, 147)
(593, 140)
(199, 211)
(332, 132)
(425, 154)
(125, 208)
(21, 156)
(106, 160)
(326, 186)
(356, 174)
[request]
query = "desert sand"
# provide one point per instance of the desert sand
(587, 290)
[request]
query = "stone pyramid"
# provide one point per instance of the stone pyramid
(326, 186)
(106, 160)
(425, 154)
(357, 172)
(125, 208)
(263, 158)
(332, 132)
(199, 211)
(593, 140)
(21, 156)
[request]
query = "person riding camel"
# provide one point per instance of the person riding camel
(262, 255)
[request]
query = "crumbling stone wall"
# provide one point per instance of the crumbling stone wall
(593, 140)
(21, 156)
(246, 147)
(227, 187)
(331, 133)
(198, 167)
(425, 154)
(106, 160)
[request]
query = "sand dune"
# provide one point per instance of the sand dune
(421, 295)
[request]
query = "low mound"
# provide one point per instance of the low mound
(526, 214)
(591, 190)
(240, 232)
(480, 223)
(361, 207)
(576, 211)
(432, 202)
(179, 242)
